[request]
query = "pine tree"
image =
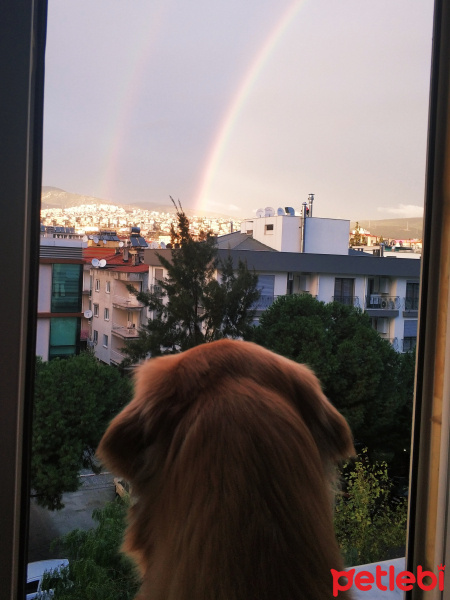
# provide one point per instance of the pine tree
(191, 306)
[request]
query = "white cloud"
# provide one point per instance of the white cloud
(403, 210)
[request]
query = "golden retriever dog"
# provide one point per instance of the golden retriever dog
(230, 450)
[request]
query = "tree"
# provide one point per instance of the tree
(75, 398)
(357, 238)
(97, 569)
(361, 373)
(370, 523)
(190, 306)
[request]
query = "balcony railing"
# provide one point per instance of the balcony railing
(408, 344)
(125, 332)
(155, 289)
(347, 300)
(411, 303)
(116, 357)
(264, 301)
(127, 302)
(375, 301)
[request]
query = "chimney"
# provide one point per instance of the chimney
(125, 255)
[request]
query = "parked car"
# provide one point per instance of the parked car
(122, 487)
(35, 572)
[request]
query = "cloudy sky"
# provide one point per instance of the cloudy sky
(235, 105)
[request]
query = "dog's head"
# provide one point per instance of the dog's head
(229, 449)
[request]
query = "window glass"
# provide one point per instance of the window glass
(66, 288)
(344, 290)
(64, 336)
(412, 295)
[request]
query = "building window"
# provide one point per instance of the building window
(105, 340)
(409, 334)
(95, 310)
(108, 287)
(66, 288)
(268, 229)
(344, 290)
(97, 285)
(64, 337)
(95, 338)
(412, 295)
(106, 314)
(266, 287)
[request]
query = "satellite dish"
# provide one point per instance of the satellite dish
(163, 246)
(85, 238)
(280, 212)
(104, 241)
(91, 237)
(260, 213)
(120, 244)
(95, 262)
(102, 263)
(153, 245)
(290, 211)
(269, 211)
(95, 238)
(88, 314)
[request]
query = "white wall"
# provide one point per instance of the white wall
(43, 338)
(45, 288)
(284, 237)
(326, 236)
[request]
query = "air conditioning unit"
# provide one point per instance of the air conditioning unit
(384, 303)
(382, 325)
(384, 285)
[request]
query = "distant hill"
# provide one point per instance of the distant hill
(393, 228)
(53, 197)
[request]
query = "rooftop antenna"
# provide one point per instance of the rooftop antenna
(310, 202)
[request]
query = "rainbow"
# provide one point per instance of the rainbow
(243, 92)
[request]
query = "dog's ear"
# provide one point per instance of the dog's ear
(329, 428)
(140, 435)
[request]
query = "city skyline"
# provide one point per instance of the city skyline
(231, 108)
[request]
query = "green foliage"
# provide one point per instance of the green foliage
(97, 569)
(75, 398)
(357, 239)
(190, 307)
(370, 524)
(361, 373)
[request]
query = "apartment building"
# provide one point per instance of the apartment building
(62, 328)
(283, 249)
(115, 314)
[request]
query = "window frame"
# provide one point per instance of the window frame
(22, 43)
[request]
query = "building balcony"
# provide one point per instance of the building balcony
(126, 333)
(382, 306)
(347, 300)
(126, 302)
(411, 303)
(117, 357)
(376, 301)
(408, 344)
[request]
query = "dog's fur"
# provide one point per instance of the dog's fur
(229, 449)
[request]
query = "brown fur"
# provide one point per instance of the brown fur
(229, 449)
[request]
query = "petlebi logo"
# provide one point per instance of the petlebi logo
(388, 579)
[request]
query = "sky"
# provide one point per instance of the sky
(235, 105)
